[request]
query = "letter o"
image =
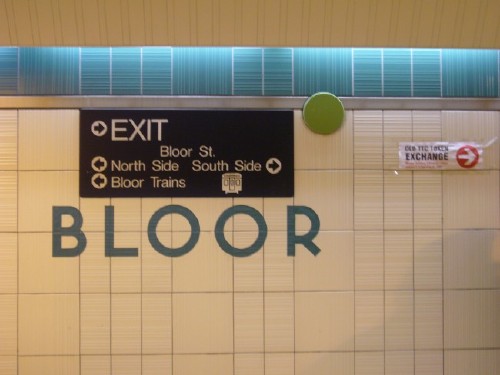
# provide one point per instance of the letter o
(153, 224)
(226, 246)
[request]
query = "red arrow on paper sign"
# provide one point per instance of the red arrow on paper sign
(467, 156)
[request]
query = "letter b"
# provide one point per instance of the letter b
(74, 230)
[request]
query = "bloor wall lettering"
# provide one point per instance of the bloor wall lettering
(75, 231)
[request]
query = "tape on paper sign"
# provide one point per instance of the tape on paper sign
(440, 155)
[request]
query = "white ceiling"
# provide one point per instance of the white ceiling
(265, 23)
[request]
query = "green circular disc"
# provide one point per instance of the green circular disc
(323, 113)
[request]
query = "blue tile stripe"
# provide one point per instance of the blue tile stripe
(247, 71)
(323, 69)
(397, 72)
(359, 72)
(95, 71)
(8, 71)
(426, 77)
(278, 72)
(126, 77)
(367, 72)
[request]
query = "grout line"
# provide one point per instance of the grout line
(413, 249)
(383, 242)
(172, 293)
(17, 240)
(141, 272)
(442, 253)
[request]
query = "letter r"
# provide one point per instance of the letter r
(304, 239)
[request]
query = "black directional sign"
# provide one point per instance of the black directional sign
(186, 153)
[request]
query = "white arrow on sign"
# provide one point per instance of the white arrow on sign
(99, 128)
(99, 181)
(467, 156)
(273, 166)
(99, 164)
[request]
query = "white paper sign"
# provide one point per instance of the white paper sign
(440, 155)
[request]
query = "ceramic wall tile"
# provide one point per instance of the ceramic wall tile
(48, 365)
(93, 212)
(428, 320)
(314, 189)
(157, 364)
(206, 210)
(197, 332)
(275, 213)
(48, 71)
(40, 271)
(397, 128)
(398, 260)
(8, 365)
(279, 363)
(278, 267)
(156, 332)
(471, 319)
(126, 270)
(368, 200)
(331, 269)
(463, 362)
(399, 363)
(60, 131)
(243, 222)
(324, 363)
(469, 259)
(399, 320)
(249, 271)
(318, 315)
(426, 126)
(369, 363)
(8, 140)
(95, 365)
(279, 333)
(148, 207)
(95, 325)
(369, 260)
(8, 262)
(427, 200)
(212, 266)
(249, 364)
(126, 214)
(156, 269)
(8, 201)
(428, 259)
(95, 266)
(8, 324)
(249, 322)
(429, 362)
(48, 325)
(398, 200)
(471, 200)
(213, 364)
(368, 136)
(316, 151)
(126, 364)
(39, 192)
(125, 324)
(369, 320)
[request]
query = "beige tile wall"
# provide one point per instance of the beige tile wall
(407, 280)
